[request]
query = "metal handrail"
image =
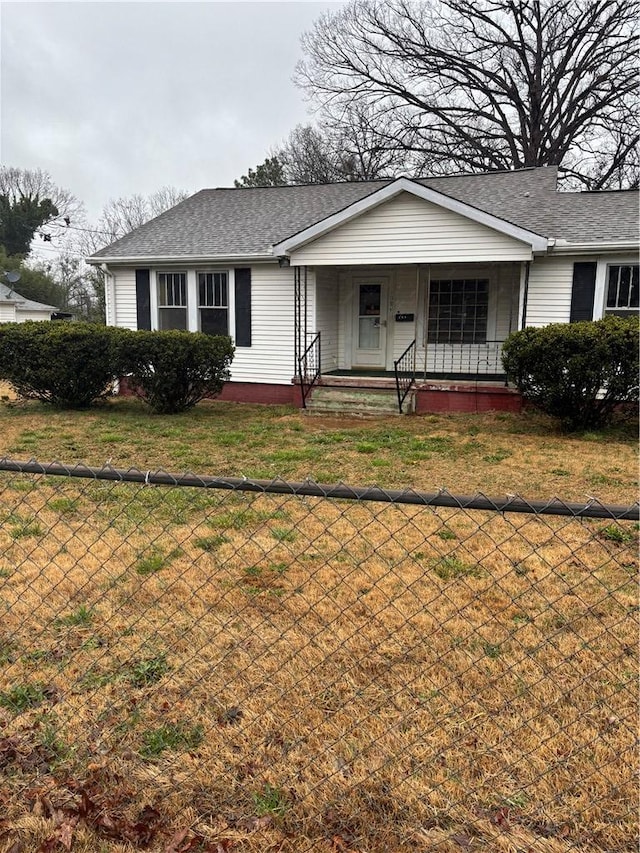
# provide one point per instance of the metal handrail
(309, 368)
(467, 357)
(405, 373)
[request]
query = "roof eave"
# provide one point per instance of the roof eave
(154, 260)
(538, 242)
(594, 247)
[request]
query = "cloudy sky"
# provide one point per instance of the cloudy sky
(115, 98)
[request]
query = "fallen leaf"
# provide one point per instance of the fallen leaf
(338, 843)
(252, 824)
(501, 818)
(146, 826)
(66, 835)
(176, 839)
(86, 804)
(49, 844)
(463, 841)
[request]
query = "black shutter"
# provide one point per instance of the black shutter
(243, 306)
(143, 299)
(582, 292)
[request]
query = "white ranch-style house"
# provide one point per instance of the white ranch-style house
(396, 287)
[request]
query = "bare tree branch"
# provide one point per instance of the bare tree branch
(464, 85)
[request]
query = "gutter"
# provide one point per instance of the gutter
(153, 260)
(561, 247)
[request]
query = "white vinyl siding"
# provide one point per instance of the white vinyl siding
(402, 300)
(38, 316)
(549, 296)
(507, 283)
(124, 313)
(269, 359)
(7, 313)
(407, 230)
(407, 295)
(327, 317)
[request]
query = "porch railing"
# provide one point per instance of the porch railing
(405, 372)
(309, 368)
(460, 360)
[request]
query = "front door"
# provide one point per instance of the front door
(370, 322)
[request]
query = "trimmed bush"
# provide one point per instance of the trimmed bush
(172, 371)
(66, 364)
(577, 372)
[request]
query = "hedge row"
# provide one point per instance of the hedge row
(577, 372)
(72, 365)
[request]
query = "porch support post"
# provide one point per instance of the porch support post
(524, 294)
(416, 325)
(305, 337)
(425, 320)
(296, 319)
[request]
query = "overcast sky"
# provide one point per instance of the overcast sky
(116, 98)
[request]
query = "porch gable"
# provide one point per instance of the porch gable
(408, 223)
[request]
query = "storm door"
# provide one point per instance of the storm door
(370, 322)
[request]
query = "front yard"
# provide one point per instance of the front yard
(201, 671)
(495, 454)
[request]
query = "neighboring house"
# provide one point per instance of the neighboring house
(15, 308)
(334, 286)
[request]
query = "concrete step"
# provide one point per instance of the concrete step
(354, 401)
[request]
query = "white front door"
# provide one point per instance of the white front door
(370, 322)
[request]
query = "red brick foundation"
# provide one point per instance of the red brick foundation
(430, 398)
(434, 399)
(259, 392)
(246, 392)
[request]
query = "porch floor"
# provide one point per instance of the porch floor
(492, 378)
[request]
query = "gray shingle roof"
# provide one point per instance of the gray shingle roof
(248, 221)
(22, 302)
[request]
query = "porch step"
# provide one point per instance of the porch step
(355, 401)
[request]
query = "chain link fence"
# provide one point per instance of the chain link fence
(210, 664)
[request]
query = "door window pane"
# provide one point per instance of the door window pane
(370, 300)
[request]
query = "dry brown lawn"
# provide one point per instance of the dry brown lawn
(496, 453)
(189, 670)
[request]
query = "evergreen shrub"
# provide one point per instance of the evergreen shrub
(67, 364)
(174, 370)
(582, 373)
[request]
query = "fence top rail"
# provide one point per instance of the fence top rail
(593, 508)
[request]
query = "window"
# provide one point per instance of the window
(622, 290)
(458, 311)
(213, 303)
(172, 300)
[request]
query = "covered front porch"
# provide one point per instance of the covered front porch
(427, 335)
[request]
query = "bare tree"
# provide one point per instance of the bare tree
(122, 215)
(348, 148)
(307, 157)
(477, 85)
(85, 284)
(363, 139)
